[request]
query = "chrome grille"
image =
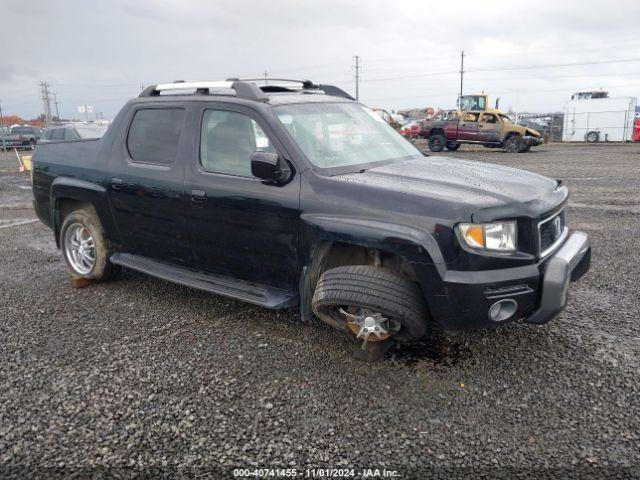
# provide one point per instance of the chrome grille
(551, 231)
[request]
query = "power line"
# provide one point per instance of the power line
(502, 92)
(502, 69)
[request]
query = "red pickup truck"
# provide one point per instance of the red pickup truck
(491, 129)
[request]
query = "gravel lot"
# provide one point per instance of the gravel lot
(143, 373)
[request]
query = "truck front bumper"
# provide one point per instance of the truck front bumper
(533, 293)
(533, 141)
(568, 264)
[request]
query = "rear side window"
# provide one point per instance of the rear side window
(57, 134)
(154, 135)
(70, 134)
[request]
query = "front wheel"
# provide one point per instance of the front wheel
(32, 144)
(513, 144)
(85, 249)
(372, 303)
(436, 143)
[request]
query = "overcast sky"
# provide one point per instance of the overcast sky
(100, 52)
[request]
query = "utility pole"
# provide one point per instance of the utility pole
(266, 75)
(47, 102)
(4, 146)
(55, 101)
(461, 76)
(356, 67)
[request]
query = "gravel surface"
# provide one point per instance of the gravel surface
(146, 374)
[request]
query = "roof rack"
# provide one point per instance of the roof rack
(240, 89)
(245, 87)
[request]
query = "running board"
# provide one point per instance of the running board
(257, 294)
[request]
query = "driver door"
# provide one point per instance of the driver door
(490, 128)
(240, 226)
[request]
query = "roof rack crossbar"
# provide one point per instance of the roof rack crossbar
(241, 89)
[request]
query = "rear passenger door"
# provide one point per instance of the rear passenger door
(146, 184)
(468, 127)
(240, 226)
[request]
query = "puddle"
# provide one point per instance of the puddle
(437, 348)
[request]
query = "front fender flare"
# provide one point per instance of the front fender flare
(417, 247)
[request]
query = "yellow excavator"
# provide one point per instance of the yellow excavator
(476, 102)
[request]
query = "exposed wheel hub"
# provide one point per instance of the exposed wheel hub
(368, 325)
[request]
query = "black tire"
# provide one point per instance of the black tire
(453, 146)
(513, 144)
(592, 137)
(378, 289)
(437, 143)
(525, 148)
(32, 144)
(102, 269)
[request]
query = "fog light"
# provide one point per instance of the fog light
(502, 310)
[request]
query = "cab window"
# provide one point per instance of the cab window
(471, 117)
(154, 135)
(227, 141)
(489, 118)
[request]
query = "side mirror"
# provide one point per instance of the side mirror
(270, 167)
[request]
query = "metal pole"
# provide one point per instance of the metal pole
(4, 145)
(86, 114)
(357, 69)
(461, 75)
(55, 101)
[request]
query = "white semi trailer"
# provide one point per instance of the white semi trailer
(594, 117)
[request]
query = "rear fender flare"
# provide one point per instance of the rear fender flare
(79, 190)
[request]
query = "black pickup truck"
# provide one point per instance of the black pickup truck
(298, 195)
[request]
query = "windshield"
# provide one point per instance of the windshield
(505, 119)
(26, 130)
(343, 134)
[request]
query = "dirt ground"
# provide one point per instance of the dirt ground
(143, 373)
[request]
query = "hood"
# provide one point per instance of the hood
(485, 191)
(531, 132)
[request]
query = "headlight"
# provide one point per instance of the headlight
(499, 236)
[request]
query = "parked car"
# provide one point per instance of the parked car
(286, 198)
(72, 132)
(23, 136)
(490, 128)
(411, 129)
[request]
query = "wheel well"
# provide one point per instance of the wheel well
(63, 207)
(436, 131)
(329, 255)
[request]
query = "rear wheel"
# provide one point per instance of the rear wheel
(374, 305)
(593, 137)
(436, 143)
(513, 144)
(452, 146)
(85, 249)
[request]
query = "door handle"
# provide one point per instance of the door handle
(198, 196)
(116, 183)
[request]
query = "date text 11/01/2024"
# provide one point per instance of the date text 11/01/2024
(315, 473)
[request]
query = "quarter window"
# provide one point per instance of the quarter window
(154, 135)
(57, 134)
(227, 141)
(70, 134)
